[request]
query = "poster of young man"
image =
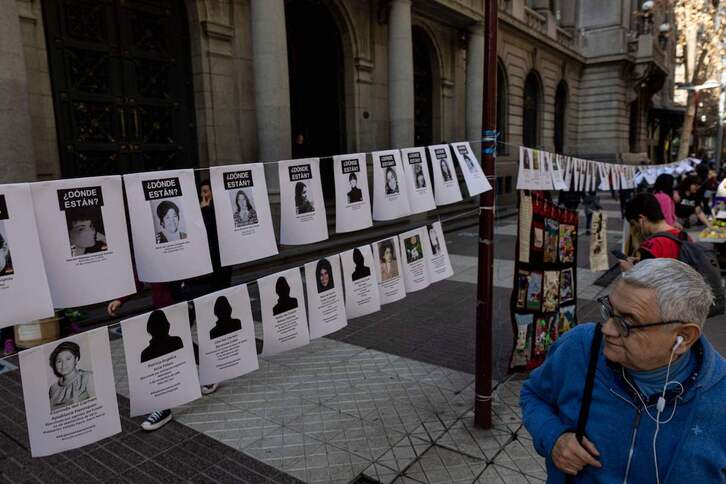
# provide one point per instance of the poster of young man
(446, 185)
(242, 212)
(170, 241)
(361, 283)
(160, 359)
(476, 180)
(352, 199)
(82, 228)
(226, 335)
(69, 393)
(390, 273)
(418, 180)
(326, 304)
(415, 269)
(302, 209)
(22, 271)
(390, 192)
(284, 320)
(437, 255)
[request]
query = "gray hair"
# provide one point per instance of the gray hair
(681, 292)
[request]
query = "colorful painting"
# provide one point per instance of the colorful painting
(538, 229)
(542, 337)
(551, 294)
(523, 347)
(552, 230)
(534, 291)
(522, 284)
(566, 319)
(567, 292)
(567, 243)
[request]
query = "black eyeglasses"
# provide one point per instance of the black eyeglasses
(624, 326)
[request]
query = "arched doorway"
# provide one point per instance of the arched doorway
(560, 116)
(532, 110)
(122, 85)
(423, 89)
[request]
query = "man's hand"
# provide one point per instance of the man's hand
(113, 307)
(570, 457)
(626, 265)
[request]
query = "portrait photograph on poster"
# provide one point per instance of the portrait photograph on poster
(413, 262)
(284, 318)
(474, 177)
(352, 199)
(326, 303)
(169, 224)
(437, 254)
(391, 287)
(361, 283)
(302, 209)
(6, 256)
(418, 181)
(446, 186)
(243, 207)
(390, 192)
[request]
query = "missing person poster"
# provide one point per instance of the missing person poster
(326, 304)
(160, 359)
(352, 199)
(361, 283)
(418, 180)
(437, 255)
(415, 268)
(557, 169)
(390, 193)
(284, 321)
(69, 393)
(526, 174)
(226, 335)
(22, 272)
(170, 241)
(476, 180)
(446, 185)
(302, 209)
(390, 273)
(242, 212)
(82, 227)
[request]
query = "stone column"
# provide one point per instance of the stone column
(475, 85)
(400, 74)
(17, 162)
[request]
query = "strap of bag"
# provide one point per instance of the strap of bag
(667, 235)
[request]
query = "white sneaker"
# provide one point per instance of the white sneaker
(209, 389)
(156, 420)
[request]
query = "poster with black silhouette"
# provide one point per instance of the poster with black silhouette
(387, 253)
(22, 271)
(446, 185)
(226, 335)
(84, 239)
(302, 208)
(413, 260)
(352, 199)
(361, 282)
(474, 177)
(284, 319)
(436, 252)
(160, 362)
(242, 212)
(326, 303)
(418, 180)
(69, 393)
(390, 191)
(169, 238)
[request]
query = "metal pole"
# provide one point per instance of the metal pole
(484, 308)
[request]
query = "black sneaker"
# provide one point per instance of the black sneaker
(156, 420)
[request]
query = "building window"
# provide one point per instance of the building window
(560, 116)
(532, 110)
(502, 105)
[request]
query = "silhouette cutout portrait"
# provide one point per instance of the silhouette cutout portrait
(324, 275)
(225, 324)
(161, 343)
(284, 301)
(361, 270)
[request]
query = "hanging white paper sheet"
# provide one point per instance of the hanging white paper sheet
(390, 273)
(361, 283)
(242, 211)
(69, 393)
(326, 304)
(436, 253)
(352, 199)
(390, 193)
(22, 271)
(604, 169)
(650, 175)
(544, 178)
(476, 180)
(420, 190)
(558, 182)
(525, 176)
(446, 185)
(415, 269)
(588, 175)
(170, 240)
(284, 322)
(226, 335)
(568, 172)
(160, 359)
(302, 208)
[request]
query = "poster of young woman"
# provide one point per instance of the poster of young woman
(352, 199)
(170, 241)
(302, 208)
(69, 393)
(361, 283)
(284, 321)
(22, 271)
(390, 192)
(415, 269)
(418, 180)
(242, 211)
(82, 228)
(437, 255)
(390, 274)
(476, 180)
(226, 335)
(446, 185)
(160, 359)
(326, 304)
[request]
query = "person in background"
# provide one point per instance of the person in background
(690, 207)
(591, 202)
(663, 191)
(570, 200)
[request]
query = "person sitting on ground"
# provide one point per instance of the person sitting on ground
(653, 351)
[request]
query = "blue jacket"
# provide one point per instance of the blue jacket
(691, 447)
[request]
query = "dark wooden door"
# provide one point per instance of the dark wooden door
(423, 90)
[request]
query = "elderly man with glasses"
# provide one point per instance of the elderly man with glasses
(659, 392)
